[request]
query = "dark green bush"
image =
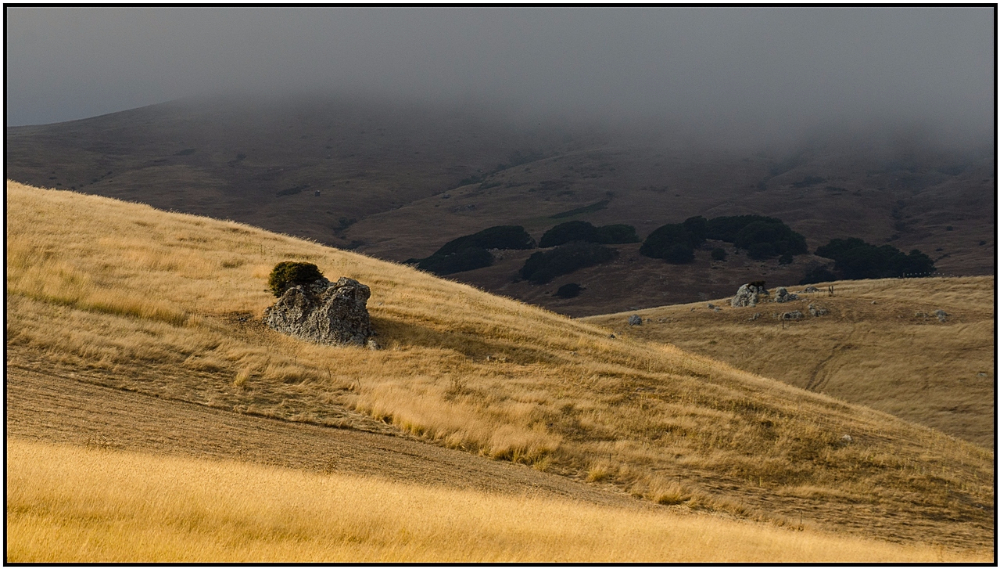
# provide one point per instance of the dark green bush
(544, 266)
(569, 290)
(466, 259)
(497, 237)
(725, 228)
(761, 251)
(764, 240)
(287, 274)
(818, 275)
(663, 239)
(567, 232)
(617, 233)
(679, 254)
(698, 228)
(856, 259)
(585, 231)
(470, 251)
(718, 254)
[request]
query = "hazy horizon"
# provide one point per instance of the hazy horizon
(735, 76)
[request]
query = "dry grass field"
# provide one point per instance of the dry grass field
(880, 345)
(99, 506)
(125, 296)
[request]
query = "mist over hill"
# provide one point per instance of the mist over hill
(398, 179)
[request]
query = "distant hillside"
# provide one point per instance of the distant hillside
(880, 344)
(398, 181)
(169, 305)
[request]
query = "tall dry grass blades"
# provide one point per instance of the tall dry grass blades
(98, 506)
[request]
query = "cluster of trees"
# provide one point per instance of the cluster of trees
(544, 266)
(577, 245)
(585, 231)
(856, 259)
(472, 251)
(762, 238)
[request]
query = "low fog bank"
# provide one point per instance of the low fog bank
(739, 78)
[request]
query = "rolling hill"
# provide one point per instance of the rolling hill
(397, 181)
(880, 345)
(167, 305)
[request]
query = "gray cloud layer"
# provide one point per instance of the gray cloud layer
(745, 73)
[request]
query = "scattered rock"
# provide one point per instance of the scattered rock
(748, 295)
(873, 302)
(324, 313)
(846, 439)
(941, 315)
(811, 289)
(635, 320)
(755, 316)
(793, 315)
(781, 294)
(710, 305)
(817, 310)
(612, 336)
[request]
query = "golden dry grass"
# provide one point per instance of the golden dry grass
(168, 304)
(70, 504)
(880, 345)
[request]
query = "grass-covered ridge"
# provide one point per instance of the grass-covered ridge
(165, 303)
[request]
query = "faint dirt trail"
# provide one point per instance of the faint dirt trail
(52, 408)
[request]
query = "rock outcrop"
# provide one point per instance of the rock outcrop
(748, 295)
(817, 310)
(324, 312)
(635, 320)
(781, 294)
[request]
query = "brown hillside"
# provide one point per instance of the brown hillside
(880, 345)
(168, 305)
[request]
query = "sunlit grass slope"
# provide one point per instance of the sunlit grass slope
(880, 345)
(69, 504)
(169, 304)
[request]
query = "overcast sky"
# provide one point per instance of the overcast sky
(755, 71)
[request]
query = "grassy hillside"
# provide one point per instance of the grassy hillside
(168, 304)
(880, 345)
(397, 181)
(93, 506)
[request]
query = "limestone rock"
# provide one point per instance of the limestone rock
(817, 310)
(793, 315)
(324, 312)
(941, 315)
(781, 294)
(748, 295)
(811, 289)
(635, 320)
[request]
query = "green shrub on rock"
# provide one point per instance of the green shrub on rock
(287, 274)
